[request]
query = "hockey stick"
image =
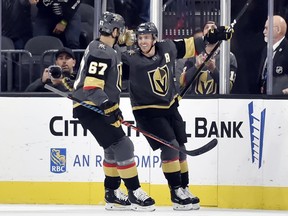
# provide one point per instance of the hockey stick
(210, 145)
(231, 26)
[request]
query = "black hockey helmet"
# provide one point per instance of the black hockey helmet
(147, 28)
(109, 21)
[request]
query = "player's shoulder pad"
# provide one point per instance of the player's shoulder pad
(100, 57)
(98, 45)
(131, 52)
(101, 50)
(102, 46)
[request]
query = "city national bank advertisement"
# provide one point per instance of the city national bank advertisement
(47, 157)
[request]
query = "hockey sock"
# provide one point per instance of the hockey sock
(112, 178)
(129, 175)
(184, 173)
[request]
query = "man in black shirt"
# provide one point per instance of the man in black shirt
(58, 18)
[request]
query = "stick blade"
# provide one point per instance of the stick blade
(209, 146)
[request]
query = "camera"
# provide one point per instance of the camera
(55, 71)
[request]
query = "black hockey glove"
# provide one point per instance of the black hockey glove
(221, 33)
(112, 110)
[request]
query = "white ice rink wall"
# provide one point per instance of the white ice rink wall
(46, 156)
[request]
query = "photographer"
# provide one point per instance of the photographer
(60, 75)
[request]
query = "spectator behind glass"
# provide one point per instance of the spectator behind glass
(207, 81)
(135, 12)
(58, 18)
(280, 59)
(65, 59)
(16, 21)
(198, 33)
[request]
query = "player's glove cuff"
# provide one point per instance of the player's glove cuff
(225, 32)
(113, 112)
(219, 34)
(110, 108)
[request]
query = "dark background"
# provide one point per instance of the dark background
(248, 41)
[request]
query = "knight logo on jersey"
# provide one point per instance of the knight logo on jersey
(159, 80)
(205, 84)
(58, 160)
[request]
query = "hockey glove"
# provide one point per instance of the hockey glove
(221, 33)
(112, 110)
(128, 38)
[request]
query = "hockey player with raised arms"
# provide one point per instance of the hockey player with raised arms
(154, 100)
(98, 83)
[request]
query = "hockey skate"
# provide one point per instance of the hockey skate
(181, 202)
(116, 200)
(195, 199)
(140, 201)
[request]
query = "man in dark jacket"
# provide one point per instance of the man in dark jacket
(280, 56)
(207, 80)
(60, 76)
(58, 18)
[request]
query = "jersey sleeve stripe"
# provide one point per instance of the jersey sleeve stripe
(93, 82)
(190, 47)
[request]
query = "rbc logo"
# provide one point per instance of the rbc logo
(57, 160)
